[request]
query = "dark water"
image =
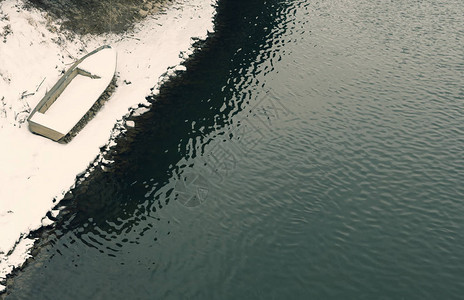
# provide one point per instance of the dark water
(312, 150)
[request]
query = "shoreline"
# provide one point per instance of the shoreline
(39, 172)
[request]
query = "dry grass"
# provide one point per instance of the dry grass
(95, 16)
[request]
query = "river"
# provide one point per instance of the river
(312, 150)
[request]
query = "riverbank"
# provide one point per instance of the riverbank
(36, 49)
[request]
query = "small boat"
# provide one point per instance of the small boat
(68, 101)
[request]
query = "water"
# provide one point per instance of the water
(311, 150)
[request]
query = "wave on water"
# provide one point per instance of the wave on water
(34, 51)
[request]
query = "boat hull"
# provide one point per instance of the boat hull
(70, 99)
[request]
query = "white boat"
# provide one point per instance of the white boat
(74, 94)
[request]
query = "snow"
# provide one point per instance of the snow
(34, 170)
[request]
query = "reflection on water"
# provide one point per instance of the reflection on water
(311, 150)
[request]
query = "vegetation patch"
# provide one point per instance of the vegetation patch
(95, 16)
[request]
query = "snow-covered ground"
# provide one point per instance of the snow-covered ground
(35, 172)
